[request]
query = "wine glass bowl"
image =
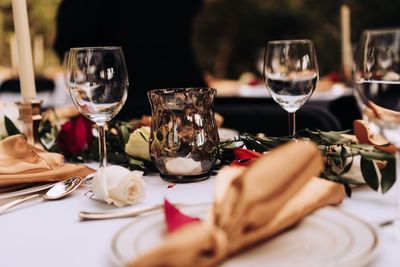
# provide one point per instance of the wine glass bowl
(290, 74)
(98, 84)
(377, 81)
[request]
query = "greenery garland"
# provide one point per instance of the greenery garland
(337, 147)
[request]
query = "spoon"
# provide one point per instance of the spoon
(57, 191)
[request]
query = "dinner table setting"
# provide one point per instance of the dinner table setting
(179, 189)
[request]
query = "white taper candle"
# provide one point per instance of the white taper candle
(26, 73)
(347, 53)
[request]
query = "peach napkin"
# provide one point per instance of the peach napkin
(364, 135)
(21, 163)
(251, 205)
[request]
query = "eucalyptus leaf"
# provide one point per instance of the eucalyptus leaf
(10, 127)
(343, 153)
(388, 175)
(255, 145)
(334, 137)
(375, 155)
(347, 168)
(125, 133)
(347, 189)
(369, 173)
(362, 147)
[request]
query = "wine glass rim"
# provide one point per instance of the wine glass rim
(96, 48)
(291, 41)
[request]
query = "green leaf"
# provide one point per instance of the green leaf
(369, 173)
(334, 137)
(347, 167)
(125, 133)
(388, 176)
(10, 127)
(343, 153)
(255, 145)
(374, 155)
(362, 147)
(347, 189)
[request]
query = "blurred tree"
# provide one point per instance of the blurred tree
(41, 15)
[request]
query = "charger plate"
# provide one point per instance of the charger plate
(328, 237)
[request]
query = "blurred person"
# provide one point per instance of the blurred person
(155, 36)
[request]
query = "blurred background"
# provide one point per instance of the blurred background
(229, 41)
(230, 34)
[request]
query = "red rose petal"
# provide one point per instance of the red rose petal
(242, 162)
(242, 153)
(75, 136)
(244, 157)
(174, 218)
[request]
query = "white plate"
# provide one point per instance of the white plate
(328, 237)
(24, 191)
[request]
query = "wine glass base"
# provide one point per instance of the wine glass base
(185, 178)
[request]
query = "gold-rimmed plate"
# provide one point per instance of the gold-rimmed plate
(328, 237)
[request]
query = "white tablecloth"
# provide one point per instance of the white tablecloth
(49, 233)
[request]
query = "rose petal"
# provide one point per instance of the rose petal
(100, 185)
(175, 218)
(242, 153)
(244, 157)
(119, 186)
(75, 136)
(243, 162)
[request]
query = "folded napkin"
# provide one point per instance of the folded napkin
(21, 163)
(251, 205)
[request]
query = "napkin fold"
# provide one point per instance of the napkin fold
(251, 205)
(364, 135)
(22, 163)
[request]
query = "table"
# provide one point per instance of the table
(51, 234)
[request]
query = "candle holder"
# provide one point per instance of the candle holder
(30, 115)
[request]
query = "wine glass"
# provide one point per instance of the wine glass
(98, 85)
(290, 74)
(377, 85)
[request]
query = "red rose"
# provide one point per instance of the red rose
(244, 157)
(75, 136)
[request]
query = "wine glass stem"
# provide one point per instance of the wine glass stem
(397, 195)
(102, 146)
(292, 123)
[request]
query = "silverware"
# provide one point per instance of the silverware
(86, 215)
(58, 190)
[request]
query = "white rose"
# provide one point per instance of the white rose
(11, 111)
(138, 146)
(119, 186)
